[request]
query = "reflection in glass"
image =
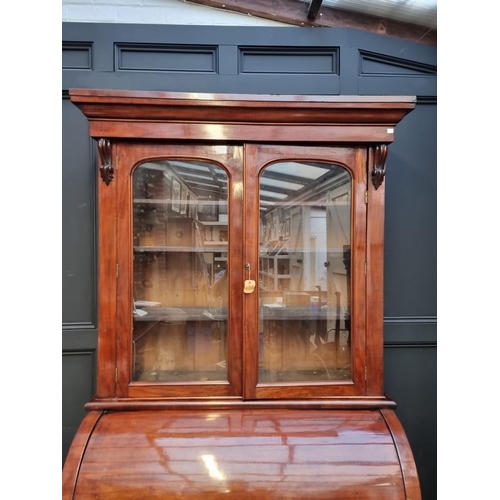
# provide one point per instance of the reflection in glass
(180, 297)
(304, 273)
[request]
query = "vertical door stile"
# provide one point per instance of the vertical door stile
(107, 248)
(360, 266)
(374, 281)
(235, 163)
(124, 277)
(250, 301)
(358, 275)
(366, 175)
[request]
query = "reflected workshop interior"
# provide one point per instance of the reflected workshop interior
(181, 272)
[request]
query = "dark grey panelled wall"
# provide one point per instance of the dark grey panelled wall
(267, 60)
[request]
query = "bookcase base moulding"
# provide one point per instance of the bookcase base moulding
(240, 324)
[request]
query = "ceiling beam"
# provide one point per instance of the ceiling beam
(294, 12)
(314, 7)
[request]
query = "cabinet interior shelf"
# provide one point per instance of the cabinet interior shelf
(151, 201)
(172, 248)
(271, 275)
(296, 250)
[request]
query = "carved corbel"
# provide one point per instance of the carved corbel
(107, 169)
(379, 158)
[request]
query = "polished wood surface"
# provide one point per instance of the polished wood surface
(406, 458)
(238, 438)
(77, 452)
(337, 403)
(243, 454)
(375, 286)
(285, 133)
(157, 115)
(107, 326)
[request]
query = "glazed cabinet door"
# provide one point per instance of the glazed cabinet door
(240, 272)
(305, 232)
(179, 225)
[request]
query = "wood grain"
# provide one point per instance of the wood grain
(250, 454)
(106, 340)
(76, 453)
(240, 438)
(406, 459)
(375, 286)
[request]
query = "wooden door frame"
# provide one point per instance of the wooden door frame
(130, 156)
(354, 160)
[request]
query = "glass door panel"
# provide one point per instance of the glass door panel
(180, 278)
(304, 272)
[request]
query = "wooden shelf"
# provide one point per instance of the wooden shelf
(272, 275)
(172, 248)
(164, 249)
(152, 201)
(279, 256)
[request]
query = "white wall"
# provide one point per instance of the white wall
(154, 12)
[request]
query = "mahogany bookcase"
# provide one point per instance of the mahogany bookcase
(240, 300)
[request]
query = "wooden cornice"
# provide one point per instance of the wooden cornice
(125, 105)
(295, 12)
(226, 117)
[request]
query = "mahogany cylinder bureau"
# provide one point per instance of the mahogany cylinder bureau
(240, 300)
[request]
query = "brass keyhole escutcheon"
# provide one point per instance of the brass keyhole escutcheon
(249, 286)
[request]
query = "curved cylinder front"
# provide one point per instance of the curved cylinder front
(240, 454)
